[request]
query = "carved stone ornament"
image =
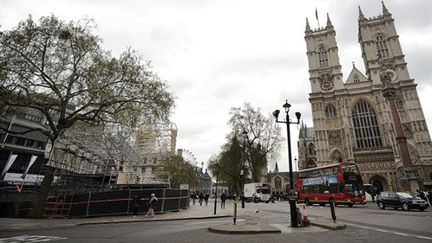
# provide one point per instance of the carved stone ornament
(326, 82)
(334, 139)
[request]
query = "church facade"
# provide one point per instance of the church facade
(352, 120)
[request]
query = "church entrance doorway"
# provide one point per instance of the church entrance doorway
(379, 183)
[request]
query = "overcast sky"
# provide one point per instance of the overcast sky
(222, 53)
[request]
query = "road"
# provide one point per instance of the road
(365, 224)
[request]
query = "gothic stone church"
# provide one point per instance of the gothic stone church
(351, 118)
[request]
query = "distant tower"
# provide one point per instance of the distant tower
(306, 148)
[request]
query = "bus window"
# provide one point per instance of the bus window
(333, 188)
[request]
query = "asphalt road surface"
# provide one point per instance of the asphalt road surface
(364, 224)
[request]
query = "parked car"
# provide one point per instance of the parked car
(400, 200)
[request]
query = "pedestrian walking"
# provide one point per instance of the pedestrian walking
(223, 199)
(193, 196)
(151, 205)
(201, 198)
(206, 198)
(136, 204)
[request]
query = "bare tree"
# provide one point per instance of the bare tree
(260, 138)
(61, 70)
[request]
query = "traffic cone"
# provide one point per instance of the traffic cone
(306, 221)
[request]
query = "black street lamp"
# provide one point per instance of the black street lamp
(216, 190)
(242, 188)
(291, 195)
(242, 170)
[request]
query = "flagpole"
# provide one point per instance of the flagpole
(316, 15)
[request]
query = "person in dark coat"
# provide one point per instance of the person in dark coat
(206, 198)
(223, 198)
(201, 198)
(136, 204)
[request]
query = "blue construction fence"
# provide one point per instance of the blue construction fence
(106, 203)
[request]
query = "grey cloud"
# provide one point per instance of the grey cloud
(410, 15)
(419, 61)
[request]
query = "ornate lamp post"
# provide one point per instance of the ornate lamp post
(291, 195)
(410, 177)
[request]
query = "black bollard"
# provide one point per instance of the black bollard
(332, 209)
(235, 210)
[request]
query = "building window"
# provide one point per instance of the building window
(330, 111)
(278, 184)
(311, 150)
(381, 45)
(356, 78)
(310, 163)
(322, 57)
(20, 141)
(10, 139)
(366, 128)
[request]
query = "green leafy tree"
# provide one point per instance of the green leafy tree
(179, 170)
(61, 70)
(228, 164)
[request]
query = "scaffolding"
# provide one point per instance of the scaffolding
(89, 159)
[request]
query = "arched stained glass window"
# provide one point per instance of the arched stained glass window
(381, 45)
(322, 57)
(366, 128)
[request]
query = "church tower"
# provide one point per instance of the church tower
(325, 76)
(378, 37)
(322, 51)
(351, 118)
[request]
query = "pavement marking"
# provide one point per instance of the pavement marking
(424, 237)
(391, 231)
(30, 239)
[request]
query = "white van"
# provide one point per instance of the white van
(368, 188)
(257, 192)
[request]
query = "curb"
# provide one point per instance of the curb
(150, 220)
(244, 229)
(328, 225)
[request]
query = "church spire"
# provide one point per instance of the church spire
(361, 16)
(308, 29)
(329, 23)
(384, 10)
(276, 170)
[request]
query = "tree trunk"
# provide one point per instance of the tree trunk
(45, 187)
(38, 208)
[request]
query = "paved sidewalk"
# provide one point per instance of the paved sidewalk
(193, 212)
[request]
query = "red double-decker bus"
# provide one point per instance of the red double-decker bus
(341, 183)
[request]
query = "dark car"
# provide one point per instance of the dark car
(400, 200)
